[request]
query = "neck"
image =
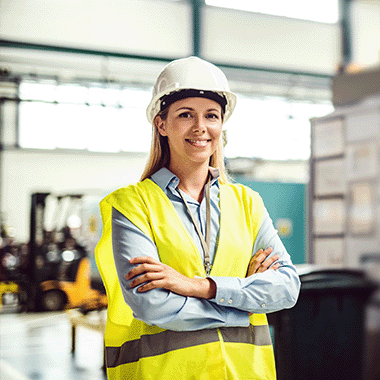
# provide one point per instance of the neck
(192, 180)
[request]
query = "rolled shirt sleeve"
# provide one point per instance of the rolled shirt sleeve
(161, 307)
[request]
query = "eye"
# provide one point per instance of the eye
(184, 115)
(212, 116)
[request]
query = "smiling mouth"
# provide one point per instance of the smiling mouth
(199, 143)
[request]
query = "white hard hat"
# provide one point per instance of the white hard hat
(191, 73)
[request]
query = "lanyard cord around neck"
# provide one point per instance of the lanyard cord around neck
(205, 242)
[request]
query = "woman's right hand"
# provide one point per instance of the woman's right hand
(260, 262)
(150, 273)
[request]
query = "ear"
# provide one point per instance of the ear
(160, 125)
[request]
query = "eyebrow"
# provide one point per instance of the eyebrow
(192, 109)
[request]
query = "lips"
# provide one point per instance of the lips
(197, 142)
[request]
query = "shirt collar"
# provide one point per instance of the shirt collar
(165, 178)
(215, 174)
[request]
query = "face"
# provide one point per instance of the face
(193, 127)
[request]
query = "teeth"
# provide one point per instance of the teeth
(198, 142)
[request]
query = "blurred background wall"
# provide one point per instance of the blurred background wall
(128, 42)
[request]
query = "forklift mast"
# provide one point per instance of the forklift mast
(37, 211)
(38, 268)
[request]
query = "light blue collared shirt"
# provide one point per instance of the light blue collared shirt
(235, 297)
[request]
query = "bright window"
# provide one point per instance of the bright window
(323, 10)
(112, 119)
(92, 117)
(272, 128)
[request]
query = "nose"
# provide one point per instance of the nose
(199, 125)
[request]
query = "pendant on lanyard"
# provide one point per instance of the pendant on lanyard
(204, 241)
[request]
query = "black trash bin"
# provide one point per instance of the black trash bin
(322, 337)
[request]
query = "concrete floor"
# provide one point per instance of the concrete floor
(37, 346)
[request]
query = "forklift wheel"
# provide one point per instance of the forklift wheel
(52, 300)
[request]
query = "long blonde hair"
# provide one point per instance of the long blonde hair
(159, 155)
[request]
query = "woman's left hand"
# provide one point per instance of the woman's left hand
(152, 274)
(261, 262)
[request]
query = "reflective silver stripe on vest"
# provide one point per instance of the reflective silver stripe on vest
(257, 335)
(166, 341)
(157, 344)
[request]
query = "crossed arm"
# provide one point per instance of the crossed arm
(173, 301)
(150, 273)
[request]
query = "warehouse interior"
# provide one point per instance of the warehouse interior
(75, 80)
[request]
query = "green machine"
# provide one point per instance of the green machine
(286, 204)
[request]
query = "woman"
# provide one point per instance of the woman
(191, 263)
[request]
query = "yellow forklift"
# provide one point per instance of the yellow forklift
(11, 296)
(54, 271)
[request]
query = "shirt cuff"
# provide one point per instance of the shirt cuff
(228, 291)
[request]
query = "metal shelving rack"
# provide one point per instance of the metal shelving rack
(344, 191)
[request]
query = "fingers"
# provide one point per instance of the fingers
(143, 259)
(275, 266)
(148, 274)
(267, 263)
(149, 286)
(261, 261)
(258, 258)
(142, 268)
(151, 278)
(262, 254)
(147, 264)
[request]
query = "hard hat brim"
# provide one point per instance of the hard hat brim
(154, 106)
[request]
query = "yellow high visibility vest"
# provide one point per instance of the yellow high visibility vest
(135, 350)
